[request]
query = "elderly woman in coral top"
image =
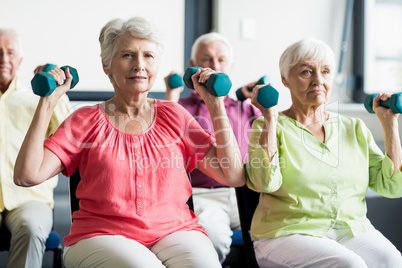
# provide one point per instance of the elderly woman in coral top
(133, 153)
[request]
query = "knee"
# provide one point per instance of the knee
(221, 239)
(349, 260)
(31, 231)
(387, 258)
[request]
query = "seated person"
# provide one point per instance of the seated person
(133, 153)
(313, 169)
(215, 204)
(26, 212)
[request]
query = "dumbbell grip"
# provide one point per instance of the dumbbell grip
(386, 104)
(262, 81)
(43, 83)
(394, 103)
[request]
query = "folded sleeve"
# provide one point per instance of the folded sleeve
(263, 174)
(74, 136)
(381, 168)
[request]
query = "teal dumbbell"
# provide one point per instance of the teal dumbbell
(394, 103)
(43, 83)
(175, 81)
(218, 84)
(265, 80)
(48, 67)
(267, 96)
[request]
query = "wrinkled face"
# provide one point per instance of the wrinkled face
(310, 82)
(135, 64)
(10, 59)
(214, 55)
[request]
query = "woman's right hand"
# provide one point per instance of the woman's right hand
(63, 80)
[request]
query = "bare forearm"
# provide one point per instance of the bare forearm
(393, 144)
(228, 153)
(173, 95)
(31, 154)
(268, 136)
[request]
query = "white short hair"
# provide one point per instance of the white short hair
(210, 38)
(16, 36)
(306, 49)
(137, 27)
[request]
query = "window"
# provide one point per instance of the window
(383, 46)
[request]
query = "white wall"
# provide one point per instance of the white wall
(66, 33)
(277, 25)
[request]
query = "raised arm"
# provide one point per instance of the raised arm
(223, 162)
(268, 135)
(389, 122)
(35, 163)
(172, 94)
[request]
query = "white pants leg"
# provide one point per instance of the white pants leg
(338, 249)
(30, 225)
(107, 251)
(186, 249)
(217, 212)
(180, 249)
(376, 250)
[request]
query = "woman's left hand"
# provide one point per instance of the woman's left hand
(202, 76)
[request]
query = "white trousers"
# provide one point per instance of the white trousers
(217, 212)
(30, 225)
(338, 249)
(179, 249)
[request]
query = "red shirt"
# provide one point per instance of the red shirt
(241, 116)
(134, 185)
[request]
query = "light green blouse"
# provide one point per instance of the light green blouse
(309, 185)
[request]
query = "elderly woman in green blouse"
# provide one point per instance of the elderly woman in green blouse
(313, 167)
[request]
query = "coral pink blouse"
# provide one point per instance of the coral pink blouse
(134, 185)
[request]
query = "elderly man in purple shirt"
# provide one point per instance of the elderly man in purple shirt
(214, 203)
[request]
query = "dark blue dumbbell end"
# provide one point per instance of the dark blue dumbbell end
(187, 76)
(396, 103)
(74, 74)
(43, 84)
(218, 84)
(267, 96)
(265, 80)
(368, 102)
(175, 81)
